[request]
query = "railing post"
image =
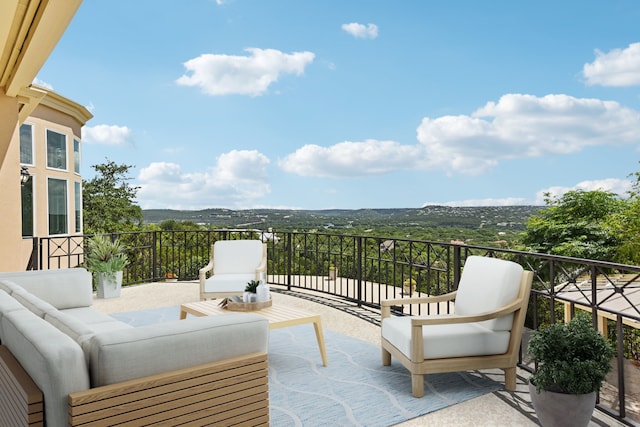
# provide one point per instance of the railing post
(359, 269)
(34, 259)
(289, 255)
(154, 255)
(457, 265)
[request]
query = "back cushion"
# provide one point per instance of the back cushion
(487, 284)
(236, 256)
(7, 304)
(64, 288)
(8, 286)
(32, 302)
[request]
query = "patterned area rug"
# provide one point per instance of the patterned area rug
(354, 390)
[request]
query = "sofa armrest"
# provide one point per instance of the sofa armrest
(125, 354)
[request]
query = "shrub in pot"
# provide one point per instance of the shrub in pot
(573, 359)
(106, 259)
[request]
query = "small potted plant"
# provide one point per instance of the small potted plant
(333, 272)
(170, 276)
(409, 286)
(572, 361)
(250, 291)
(106, 259)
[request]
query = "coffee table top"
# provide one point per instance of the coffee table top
(279, 316)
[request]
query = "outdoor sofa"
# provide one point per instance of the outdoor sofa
(66, 363)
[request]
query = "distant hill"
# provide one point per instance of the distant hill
(512, 217)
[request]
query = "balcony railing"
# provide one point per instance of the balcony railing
(364, 269)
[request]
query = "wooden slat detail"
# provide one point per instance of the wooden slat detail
(230, 392)
(21, 401)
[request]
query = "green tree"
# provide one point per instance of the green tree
(579, 224)
(627, 225)
(109, 200)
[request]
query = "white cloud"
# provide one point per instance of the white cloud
(614, 185)
(237, 181)
(42, 83)
(517, 126)
(348, 158)
(107, 134)
(243, 75)
(619, 67)
(507, 201)
(369, 31)
(522, 126)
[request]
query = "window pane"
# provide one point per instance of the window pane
(76, 156)
(57, 192)
(78, 207)
(27, 208)
(56, 150)
(26, 144)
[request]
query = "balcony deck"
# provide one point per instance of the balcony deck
(501, 408)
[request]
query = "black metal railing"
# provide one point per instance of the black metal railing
(364, 269)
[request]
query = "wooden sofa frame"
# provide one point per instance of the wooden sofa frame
(233, 391)
(21, 401)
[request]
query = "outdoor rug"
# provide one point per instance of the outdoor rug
(354, 390)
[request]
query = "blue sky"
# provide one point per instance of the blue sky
(356, 104)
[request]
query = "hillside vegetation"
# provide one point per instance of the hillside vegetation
(497, 225)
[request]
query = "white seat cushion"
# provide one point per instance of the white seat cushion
(88, 315)
(147, 350)
(443, 341)
(228, 282)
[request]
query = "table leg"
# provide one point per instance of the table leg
(183, 314)
(317, 325)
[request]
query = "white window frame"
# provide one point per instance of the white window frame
(66, 150)
(77, 156)
(77, 205)
(33, 151)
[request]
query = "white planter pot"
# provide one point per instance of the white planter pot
(562, 410)
(107, 287)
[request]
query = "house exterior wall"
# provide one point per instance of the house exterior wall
(60, 115)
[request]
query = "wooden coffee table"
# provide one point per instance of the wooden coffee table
(279, 316)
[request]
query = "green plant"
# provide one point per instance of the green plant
(573, 358)
(252, 286)
(105, 256)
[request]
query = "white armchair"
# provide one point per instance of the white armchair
(232, 264)
(484, 332)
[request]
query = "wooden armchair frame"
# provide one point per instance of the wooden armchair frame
(419, 366)
(204, 295)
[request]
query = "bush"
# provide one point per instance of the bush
(573, 358)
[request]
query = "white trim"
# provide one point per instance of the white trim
(66, 148)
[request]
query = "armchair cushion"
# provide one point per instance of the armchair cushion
(450, 340)
(237, 256)
(228, 282)
(486, 285)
